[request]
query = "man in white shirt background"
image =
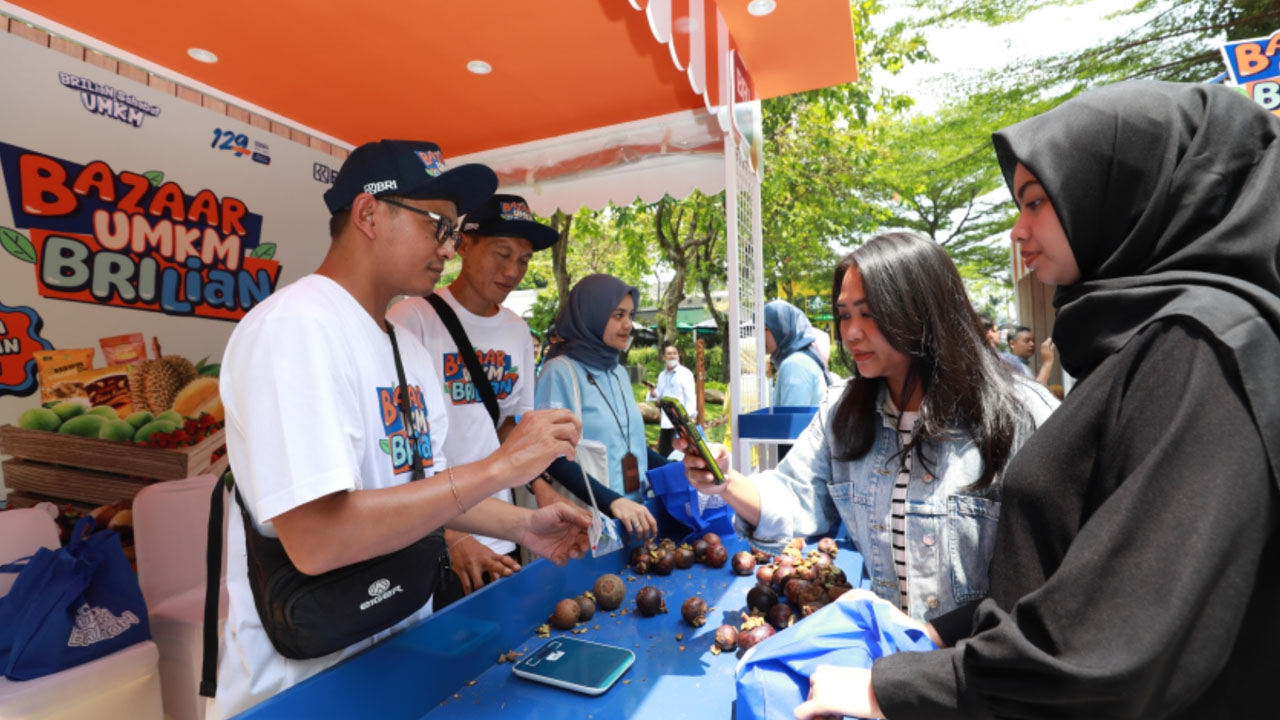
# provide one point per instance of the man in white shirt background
(675, 381)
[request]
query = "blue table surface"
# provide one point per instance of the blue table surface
(447, 666)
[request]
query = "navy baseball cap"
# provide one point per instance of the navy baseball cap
(509, 216)
(412, 169)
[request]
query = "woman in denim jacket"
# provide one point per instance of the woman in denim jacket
(918, 490)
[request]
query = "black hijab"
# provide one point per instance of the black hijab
(1169, 195)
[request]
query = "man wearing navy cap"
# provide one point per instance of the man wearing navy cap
(499, 239)
(315, 431)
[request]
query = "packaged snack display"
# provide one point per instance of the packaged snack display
(58, 369)
(108, 386)
(124, 349)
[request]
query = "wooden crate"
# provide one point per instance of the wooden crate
(97, 472)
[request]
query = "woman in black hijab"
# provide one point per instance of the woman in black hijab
(1137, 561)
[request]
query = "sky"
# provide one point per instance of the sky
(973, 47)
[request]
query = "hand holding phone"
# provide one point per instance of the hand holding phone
(692, 435)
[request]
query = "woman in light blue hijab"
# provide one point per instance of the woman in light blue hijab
(582, 373)
(800, 376)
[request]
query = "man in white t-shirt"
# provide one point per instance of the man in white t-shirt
(675, 381)
(499, 239)
(319, 446)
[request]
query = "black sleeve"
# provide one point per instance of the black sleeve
(954, 626)
(1142, 613)
(569, 474)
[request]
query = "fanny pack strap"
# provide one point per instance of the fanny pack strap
(213, 549)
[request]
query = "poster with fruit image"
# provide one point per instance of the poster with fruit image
(123, 214)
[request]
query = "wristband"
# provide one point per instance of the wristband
(455, 491)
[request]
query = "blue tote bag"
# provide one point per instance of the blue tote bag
(773, 678)
(682, 503)
(69, 606)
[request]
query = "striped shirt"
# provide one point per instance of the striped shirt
(906, 425)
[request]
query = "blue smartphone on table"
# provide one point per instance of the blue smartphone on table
(578, 665)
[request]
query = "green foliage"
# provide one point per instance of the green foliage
(650, 358)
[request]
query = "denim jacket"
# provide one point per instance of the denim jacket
(950, 530)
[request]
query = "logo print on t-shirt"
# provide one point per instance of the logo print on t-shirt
(397, 443)
(497, 367)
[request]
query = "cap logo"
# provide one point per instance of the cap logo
(432, 160)
(374, 188)
(514, 210)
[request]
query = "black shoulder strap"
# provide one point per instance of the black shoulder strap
(212, 591)
(459, 335)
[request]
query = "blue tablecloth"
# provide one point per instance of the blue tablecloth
(446, 667)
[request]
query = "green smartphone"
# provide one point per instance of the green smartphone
(691, 432)
(578, 665)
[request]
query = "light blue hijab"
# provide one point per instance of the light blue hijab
(791, 330)
(583, 318)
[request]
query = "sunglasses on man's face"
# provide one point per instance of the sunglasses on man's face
(446, 233)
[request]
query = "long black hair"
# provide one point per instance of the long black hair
(920, 307)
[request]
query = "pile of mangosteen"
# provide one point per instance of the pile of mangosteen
(789, 587)
(661, 557)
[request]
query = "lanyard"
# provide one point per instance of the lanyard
(626, 435)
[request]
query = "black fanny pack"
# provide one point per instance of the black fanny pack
(310, 616)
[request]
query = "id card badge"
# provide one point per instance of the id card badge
(630, 473)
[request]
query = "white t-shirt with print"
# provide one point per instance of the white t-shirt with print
(309, 386)
(505, 350)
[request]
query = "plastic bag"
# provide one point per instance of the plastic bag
(773, 677)
(700, 513)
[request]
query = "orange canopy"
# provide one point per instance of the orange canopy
(361, 71)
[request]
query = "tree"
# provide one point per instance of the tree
(683, 228)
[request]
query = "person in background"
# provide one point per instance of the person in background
(992, 334)
(323, 454)
(1137, 563)
(675, 381)
(499, 239)
(537, 352)
(582, 373)
(799, 373)
(909, 453)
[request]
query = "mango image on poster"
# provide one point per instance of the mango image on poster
(116, 430)
(146, 431)
(105, 411)
(68, 409)
(171, 417)
(83, 425)
(39, 418)
(140, 418)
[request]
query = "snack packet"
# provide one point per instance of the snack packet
(108, 386)
(58, 368)
(124, 349)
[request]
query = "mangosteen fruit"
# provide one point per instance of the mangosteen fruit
(700, 549)
(566, 614)
(764, 574)
(717, 556)
(762, 598)
(780, 616)
(667, 544)
(761, 556)
(684, 557)
(649, 601)
(712, 539)
(782, 575)
(609, 591)
(694, 611)
(744, 563)
(665, 564)
(802, 591)
(642, 566)
(804, 571)
(828, 546)
(835, 591)
(755, 636)
(586, 608)
(726, 637)
(784, 560)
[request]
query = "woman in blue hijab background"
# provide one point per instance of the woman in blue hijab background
(582, 373)
(800, 376)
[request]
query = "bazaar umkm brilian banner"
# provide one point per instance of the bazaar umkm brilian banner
(126, 210)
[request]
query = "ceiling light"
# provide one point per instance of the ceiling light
(479, 67)
(202, 55)
(760, 8)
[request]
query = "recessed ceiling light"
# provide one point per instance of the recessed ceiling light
(760, 8)
(202, 55)
(479, 67)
